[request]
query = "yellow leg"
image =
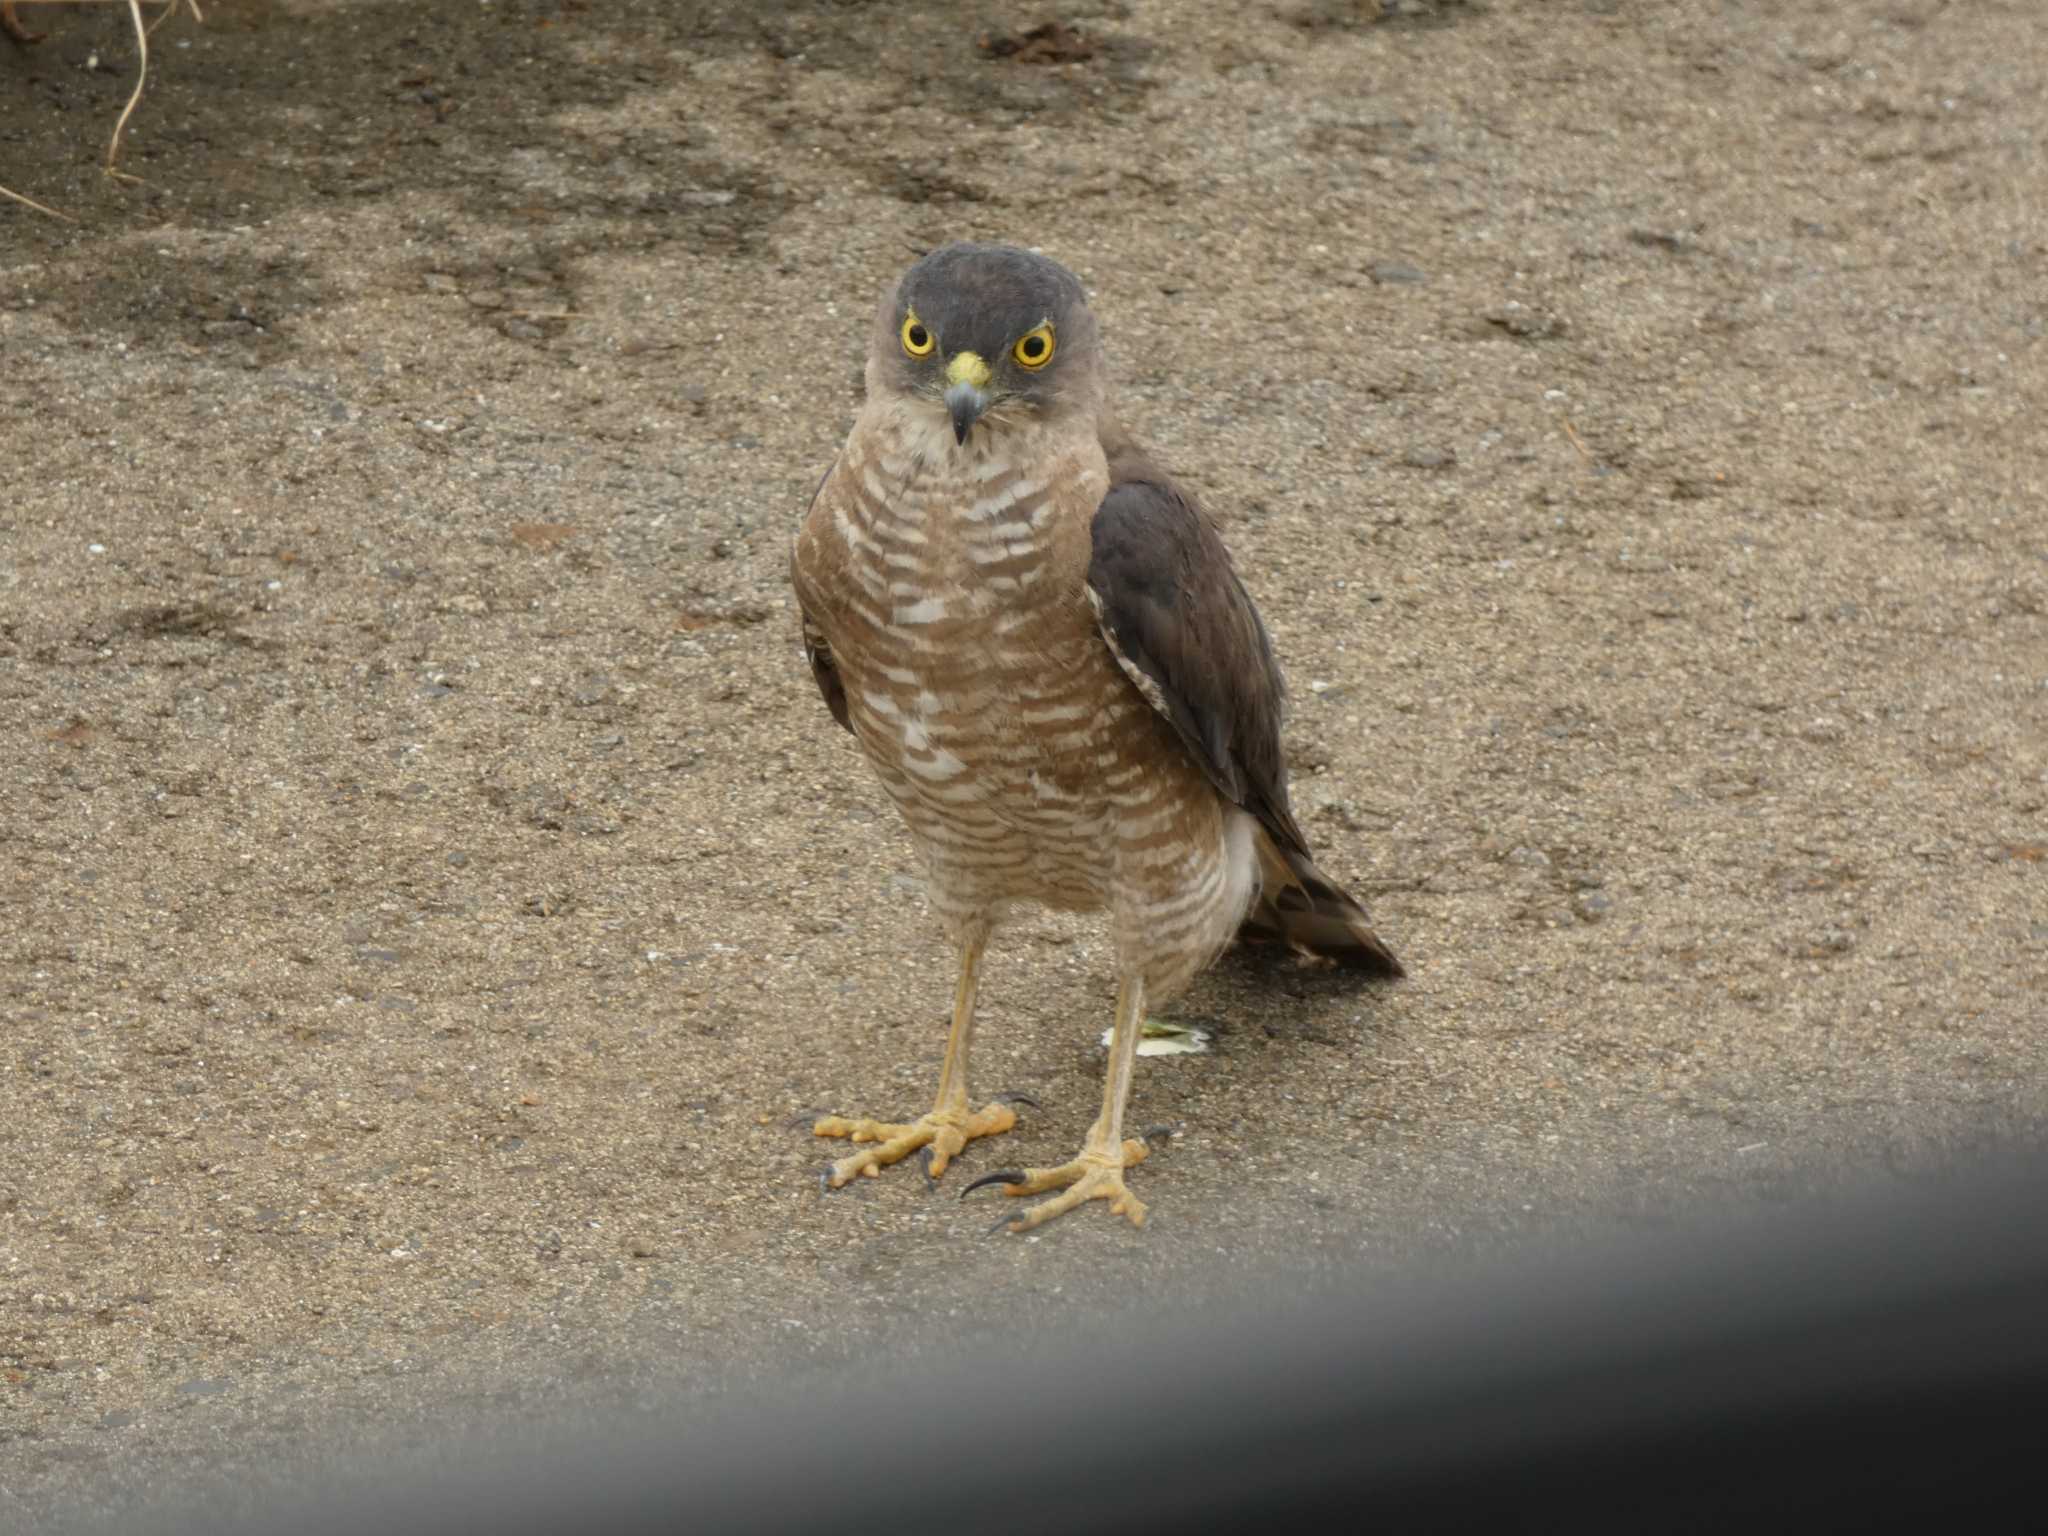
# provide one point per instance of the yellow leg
(950, 1125)
(1098, 1173)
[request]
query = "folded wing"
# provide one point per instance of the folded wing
(1184, 630)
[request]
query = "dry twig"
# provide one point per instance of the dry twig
(142, 31)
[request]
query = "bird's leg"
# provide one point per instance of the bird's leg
(951, 1124)
(1098, 1173)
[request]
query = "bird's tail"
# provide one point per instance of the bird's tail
(1302, 909)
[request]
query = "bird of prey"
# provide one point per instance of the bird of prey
(1041, 644)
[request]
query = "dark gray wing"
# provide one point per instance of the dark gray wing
(1183, 628)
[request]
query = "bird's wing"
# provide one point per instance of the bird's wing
(816, 650)
(1183, 629)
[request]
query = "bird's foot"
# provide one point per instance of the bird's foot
(11, 25)
(1091, 1176)
(944, 1131)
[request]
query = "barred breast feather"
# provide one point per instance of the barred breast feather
(947, 607)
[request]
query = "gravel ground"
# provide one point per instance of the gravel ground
(432, 884)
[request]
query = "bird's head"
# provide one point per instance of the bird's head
(990, 335)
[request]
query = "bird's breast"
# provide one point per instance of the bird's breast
(975, 674)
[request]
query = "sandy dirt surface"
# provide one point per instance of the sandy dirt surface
(430, 884)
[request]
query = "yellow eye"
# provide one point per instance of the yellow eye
(1034, 348)
(917, 341)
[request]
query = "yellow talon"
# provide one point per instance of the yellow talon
(1091, 1176)
(945, 1131)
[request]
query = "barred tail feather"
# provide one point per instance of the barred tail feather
(1302, 909)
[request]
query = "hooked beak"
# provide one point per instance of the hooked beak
(967, 379)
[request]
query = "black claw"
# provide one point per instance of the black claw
(1003, 1225)
(924, 1158)
(804, 1119)
(1017, 1098)
(1001, 1176)
(825, 1180)
(1159, 1132)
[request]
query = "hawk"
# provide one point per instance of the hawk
(1040, 643)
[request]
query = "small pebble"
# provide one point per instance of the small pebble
(1395, 272)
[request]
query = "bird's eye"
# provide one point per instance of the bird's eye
(1034, 348)
(917, 341)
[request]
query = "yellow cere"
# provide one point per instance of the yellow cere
(917, 341)
(1034, 347)
(967, 368)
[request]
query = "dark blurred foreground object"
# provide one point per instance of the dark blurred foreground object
(1868, 1363)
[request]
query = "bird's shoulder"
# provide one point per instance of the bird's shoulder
(1151, 540)
(814, 550)
(824, 552)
